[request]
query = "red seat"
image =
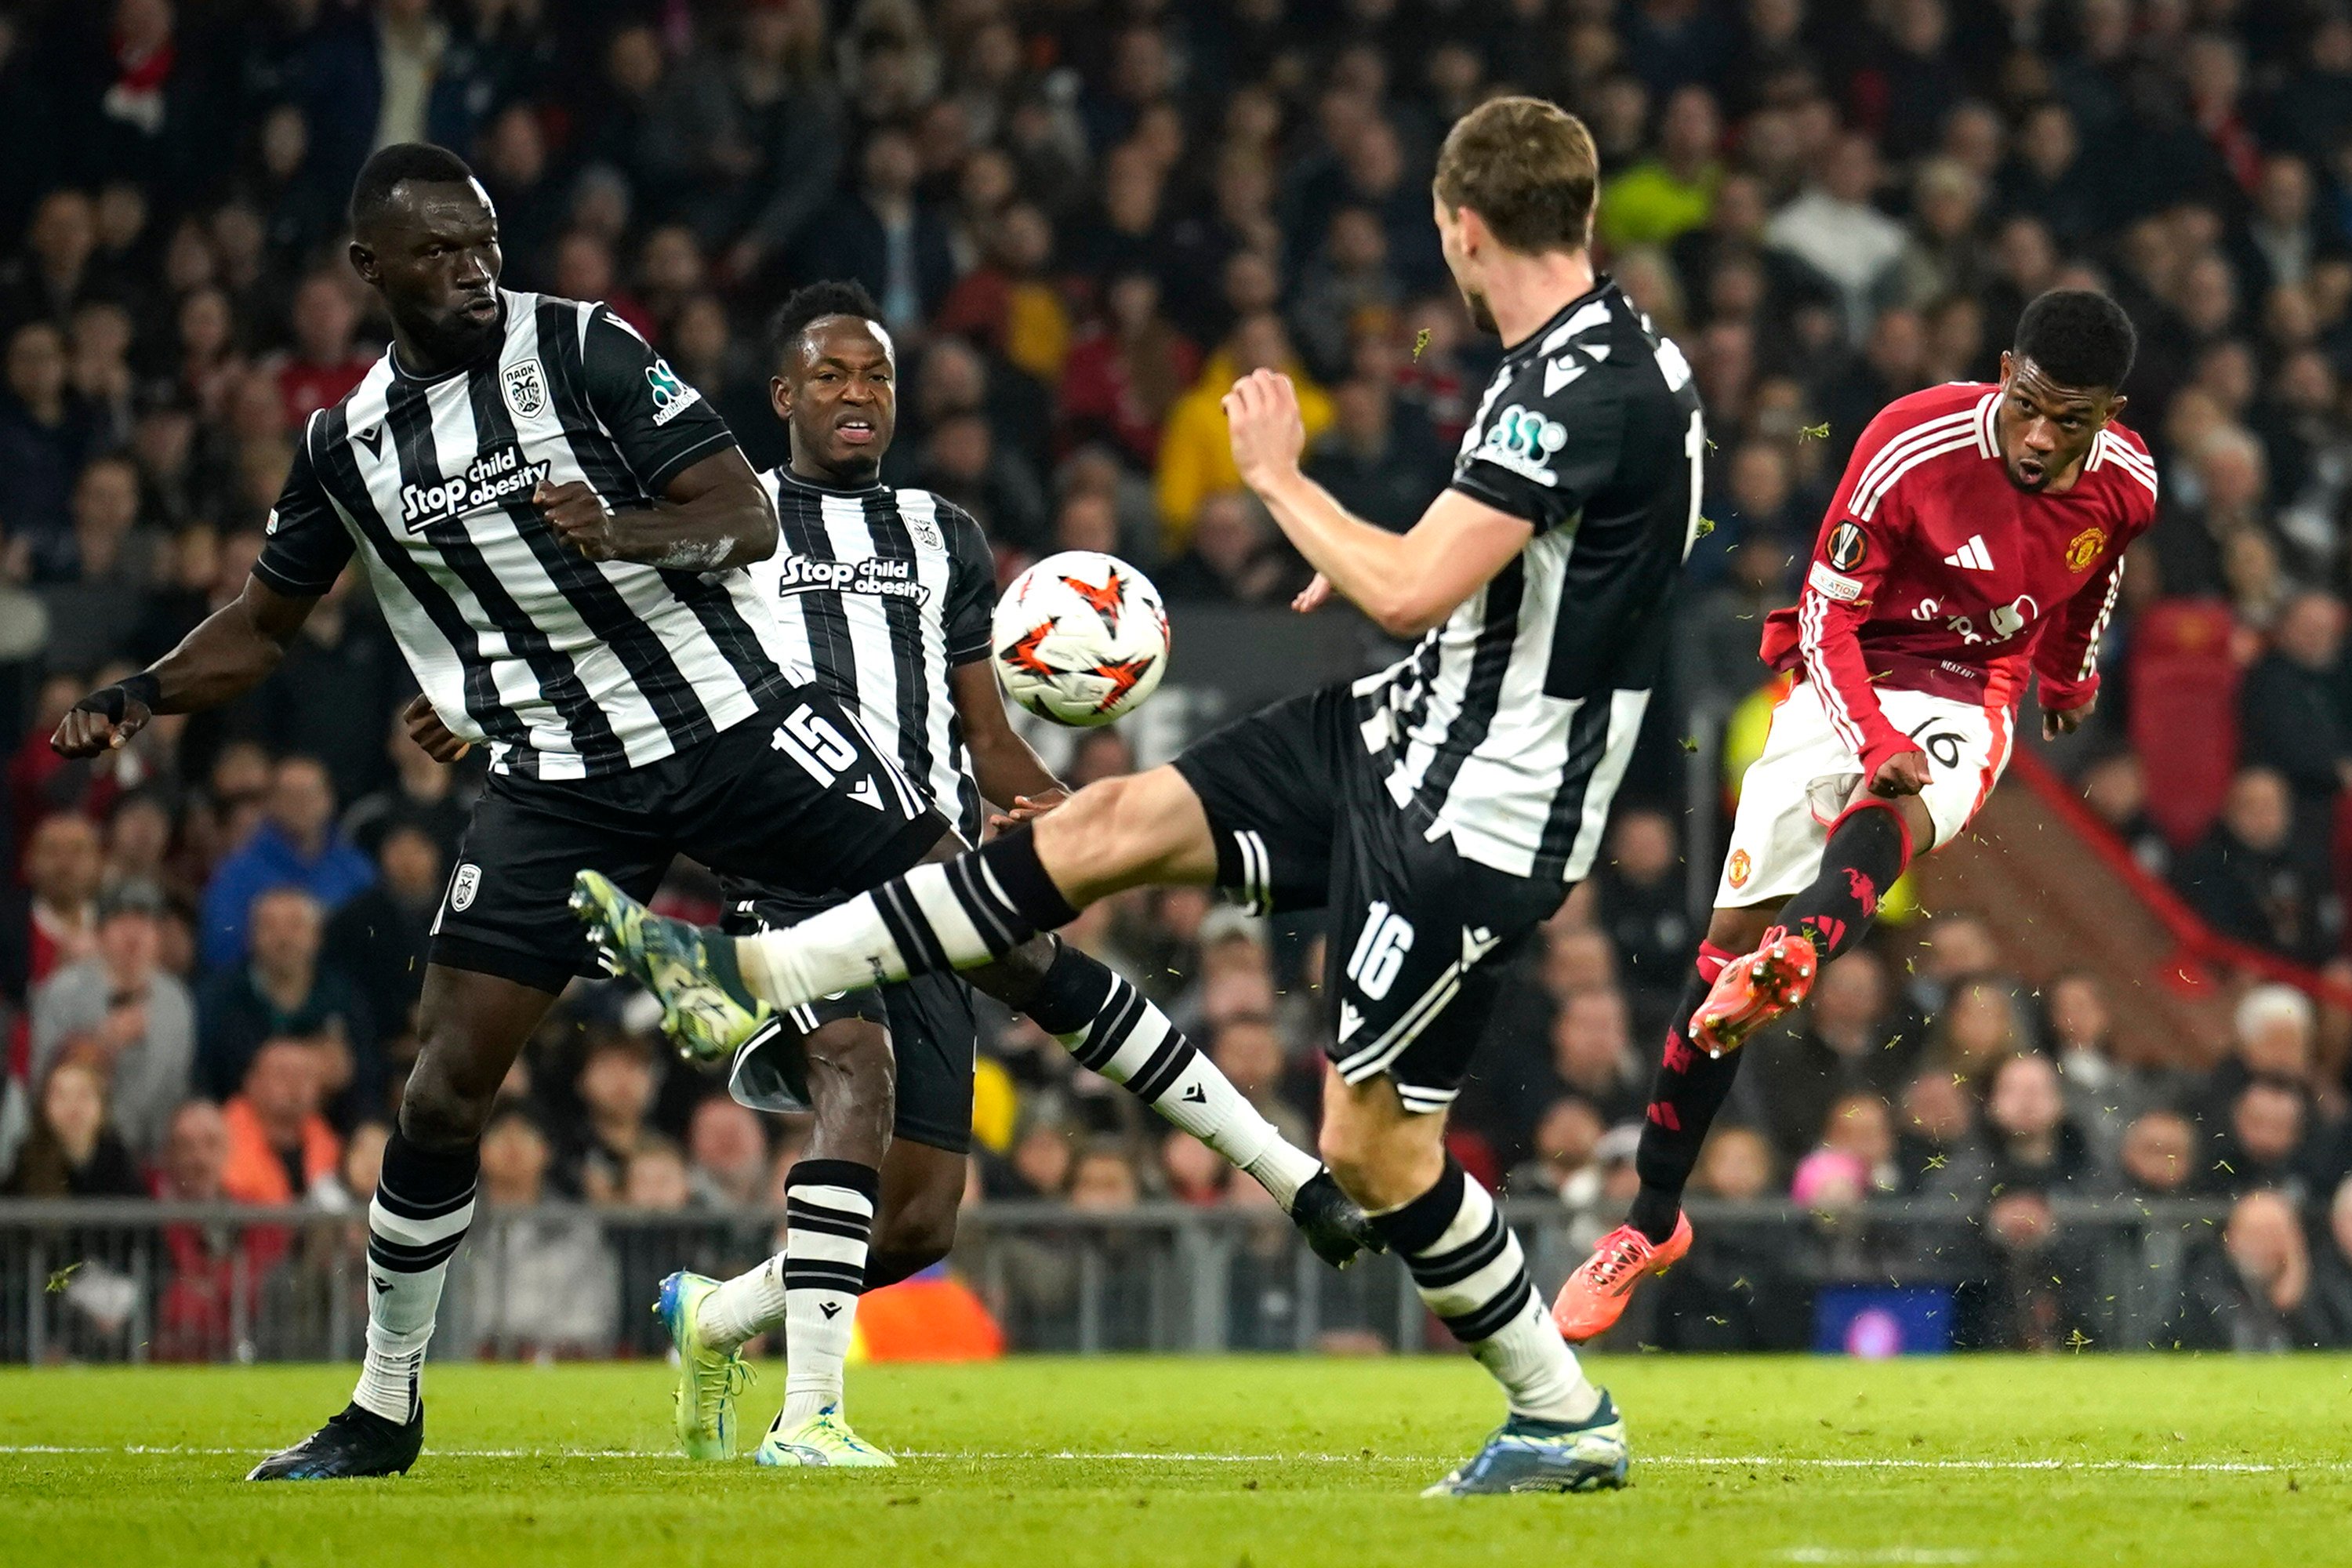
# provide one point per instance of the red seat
(2184, 711)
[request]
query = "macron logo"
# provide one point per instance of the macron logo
(1972, 556)
(1350, 1020)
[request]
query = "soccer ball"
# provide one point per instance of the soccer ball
(1081, 638)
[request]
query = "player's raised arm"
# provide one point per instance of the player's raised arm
(711, 512)
(235, 647)
(1407, 583)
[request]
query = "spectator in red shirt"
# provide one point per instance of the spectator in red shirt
(1123, 376)
(324, 366)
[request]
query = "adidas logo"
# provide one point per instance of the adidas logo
(1972, 556)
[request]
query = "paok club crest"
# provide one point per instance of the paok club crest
(526, 387)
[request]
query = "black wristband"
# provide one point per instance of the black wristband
(113, 701)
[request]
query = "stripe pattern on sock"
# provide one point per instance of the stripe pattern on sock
(1464, 1259)
(828, 1222)
(422, 1207)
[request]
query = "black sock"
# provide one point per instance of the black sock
(1071, 994)
(1012, 865)
(1868, 847)
(1689, 1090)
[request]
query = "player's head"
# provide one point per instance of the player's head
(1516, 176)
(426, 236)
(836, 381)
(2058, 382)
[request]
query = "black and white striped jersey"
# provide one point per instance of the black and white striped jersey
(567, 668)
(882, 593)
(1510, 726)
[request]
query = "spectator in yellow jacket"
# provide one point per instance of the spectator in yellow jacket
(1196, 459)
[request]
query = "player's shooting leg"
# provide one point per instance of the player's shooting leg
(1113, 1029)
(1869, 845)
(1690, 1086)
(980, 906)
(1465, 1263)
(472, 1026)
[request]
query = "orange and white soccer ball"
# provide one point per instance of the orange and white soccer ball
(1081, 638)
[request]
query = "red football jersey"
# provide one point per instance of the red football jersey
(1932, 572)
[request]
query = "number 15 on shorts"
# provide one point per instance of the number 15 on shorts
(1380, 951)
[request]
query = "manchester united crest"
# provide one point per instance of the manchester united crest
(1740, 866)
(2085, 547)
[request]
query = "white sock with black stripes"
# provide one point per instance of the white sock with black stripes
(1131, 1043)
(949, 914)
(1469, 1269)
(422, 1207)
(829, 1221)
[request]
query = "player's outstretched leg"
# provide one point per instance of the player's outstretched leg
(1561, 1433)
(473, 1024)
(1113, 1029)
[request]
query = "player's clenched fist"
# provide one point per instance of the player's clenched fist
(579, 517)
(107, 718)
(1904, 773)
(431, 736)
(1268, 431)
(2057, 721)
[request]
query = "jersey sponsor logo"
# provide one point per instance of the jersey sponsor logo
(886, 579)
(525, 385)
(1972, 556)
(1831, 585)
(1522, 440)
(464, 885)
(672, 396)
(1848, 546)
(1740, 868)
(493, 479)
(2085, 547)
(2012, 618)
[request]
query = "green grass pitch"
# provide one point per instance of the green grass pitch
(1224, 1462)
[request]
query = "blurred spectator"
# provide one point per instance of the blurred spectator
(727, 1155)
(2331, 1267)
(286, 992)
(1663, 197)
(2159, 1155)
(1859, 1126)
(886, 238)
(422, 791)
(280, 1147)
(341, 673)
(97, 579)
(1644, 898)
(1737, 1289)
(2252, 1290)
(2040, 1291)
(2116, 789)
(323, 364)
(1234, 556)
(1592, 1054)
(2263, 1146)
(1937, 1147)
(2251, 883)
(1103, 1180)
(2109, 1083)
(1834, 229)
(297, 845)
(558, 1285)
(2032, 1138)
(73, 1152)
(1194, 1172)
(128, 1018)
(380, 940)
(1196, 460)
(1346, 292)
(1566, 1162)
(1379, 459)
(1124, 376)
(1842, 1044)
(2294, 709)
(616, 1091)
(53, 922)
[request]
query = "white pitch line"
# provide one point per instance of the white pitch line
(1706, 1461)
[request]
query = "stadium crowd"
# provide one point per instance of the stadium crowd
(1082, 220)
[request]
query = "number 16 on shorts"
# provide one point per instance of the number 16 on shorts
(1380, 951)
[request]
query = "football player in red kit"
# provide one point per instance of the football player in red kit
(1977, 541)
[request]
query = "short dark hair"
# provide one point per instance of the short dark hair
(2078, 338)
(402, 161)
(814, 302)
(1526, 166)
